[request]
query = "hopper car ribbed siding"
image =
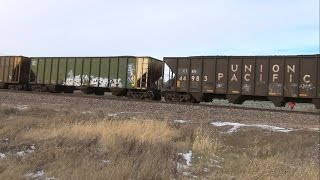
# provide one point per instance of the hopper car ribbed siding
(14, 72)
(136, 77)
(279, 79)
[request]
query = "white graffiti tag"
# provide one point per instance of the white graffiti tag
(131, 73)
(79, 80)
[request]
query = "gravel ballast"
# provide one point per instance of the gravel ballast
(154, 110)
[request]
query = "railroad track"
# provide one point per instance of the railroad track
(111, 97)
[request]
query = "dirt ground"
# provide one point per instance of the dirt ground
(123, 109)
(45, 136)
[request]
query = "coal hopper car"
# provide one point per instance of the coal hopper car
(279, 79)
(14, 72)
(136, 77)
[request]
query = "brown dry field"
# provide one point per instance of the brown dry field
(52, 137)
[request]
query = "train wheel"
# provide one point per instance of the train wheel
(166, 97)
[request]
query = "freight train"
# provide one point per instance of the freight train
(280, 79)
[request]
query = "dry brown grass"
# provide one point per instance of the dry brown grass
(205, 142)
(79, 146)
(74, 147)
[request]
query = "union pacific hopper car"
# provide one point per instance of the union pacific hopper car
(238, 78)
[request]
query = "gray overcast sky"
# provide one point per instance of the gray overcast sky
(158, 28)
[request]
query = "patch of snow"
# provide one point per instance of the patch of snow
(116, 114)
(130, 112)
(236, 126)
(6, 141)
(86, 112)
(219, 123)
(22, 107)
(20, 153)
(314, 129)
(2, 156)
(187, 157)
(29, 151)
(105, 161)
(181, 121)
(32, 147)
(273, 128)
(50, 178)
(186, 173)
(35, 175)
(220, 167)
(112, 114)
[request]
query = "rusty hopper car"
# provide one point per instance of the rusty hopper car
(122, 75)
(14, 72)
(238, 78)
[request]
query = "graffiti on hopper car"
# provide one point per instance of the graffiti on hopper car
(80, 80)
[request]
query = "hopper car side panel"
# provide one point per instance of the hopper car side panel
(41, 71)
(195, 75)
(222, 75)
(276, 76)
(122, 72)
(62, 71)
(183, 68)
(10, 69)
(234, 75)
(70, 72)
(308, 77)
(131, 73)
(86, 72)
(104, 72)
(6, 70)
(248, 76)
(95, 72)
(209, 75)
(54, 71)
(261, 76)
(291, 79)
(78, 70)
(47, 71)
(318, 77)
(113, 76)
(2, 66)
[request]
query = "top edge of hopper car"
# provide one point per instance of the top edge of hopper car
(94, 57)
(236, 56)
(12, 56)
